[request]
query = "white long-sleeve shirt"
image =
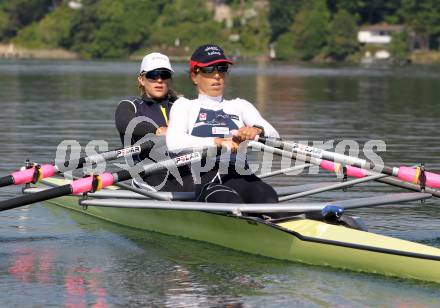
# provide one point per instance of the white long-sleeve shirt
(196, 123)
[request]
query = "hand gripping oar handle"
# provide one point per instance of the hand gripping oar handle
(408, 174)
(97, 182)
(37, 172)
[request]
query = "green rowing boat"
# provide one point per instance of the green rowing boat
(296, 239)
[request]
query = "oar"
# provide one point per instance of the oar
(357, 172)
(355, 167)
(38, 172)
(97, 182)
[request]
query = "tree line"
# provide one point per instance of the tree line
(296, 29)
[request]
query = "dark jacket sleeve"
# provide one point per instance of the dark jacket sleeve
(126, 112)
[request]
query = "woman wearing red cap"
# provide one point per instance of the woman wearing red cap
(212, 120)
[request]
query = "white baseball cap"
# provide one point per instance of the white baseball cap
(154, 61)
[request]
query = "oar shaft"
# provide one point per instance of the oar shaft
(408, 174)
(110, 155)
(311, 152)
(41, 196)
(6, 180)
(350, 170)
(106, 179)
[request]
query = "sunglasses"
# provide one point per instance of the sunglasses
(156, 74)
(222, 68)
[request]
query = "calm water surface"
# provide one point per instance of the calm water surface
(52, 257)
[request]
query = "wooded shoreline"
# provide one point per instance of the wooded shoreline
(10, 51)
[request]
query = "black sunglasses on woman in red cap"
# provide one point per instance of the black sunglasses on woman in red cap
(221, 68)
(207, 55)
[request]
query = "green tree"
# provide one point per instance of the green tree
(369, 11)
(187, 23)
(399, 46)
(423, 17)
(281, 13)
(51, 32)
(20, 13)
(4, 24)
(310, 29)
(255, 34)
(284, 49)
(342, 36)
(112, 28)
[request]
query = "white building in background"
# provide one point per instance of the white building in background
(378, 35)
(75, 4)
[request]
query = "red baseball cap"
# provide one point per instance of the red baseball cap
(207, 55)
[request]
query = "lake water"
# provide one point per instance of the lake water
(52, 257)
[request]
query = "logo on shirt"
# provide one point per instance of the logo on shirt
(202, 116)
(213, 123)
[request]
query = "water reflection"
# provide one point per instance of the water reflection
(165, 270)
(82, 286)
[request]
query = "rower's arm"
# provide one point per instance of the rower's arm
(252, 117)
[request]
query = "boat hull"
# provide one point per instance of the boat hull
(306, 241)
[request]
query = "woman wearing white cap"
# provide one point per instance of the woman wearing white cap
(212, 120)
(136, 117)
